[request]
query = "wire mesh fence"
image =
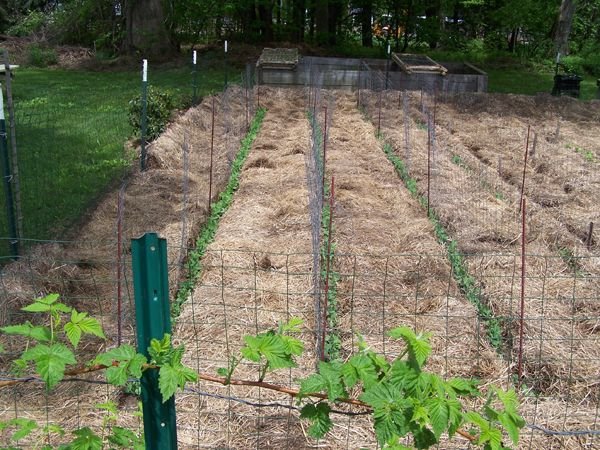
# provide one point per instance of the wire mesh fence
(244, 293)
(266, 263)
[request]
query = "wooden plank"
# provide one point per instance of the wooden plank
(400, 63)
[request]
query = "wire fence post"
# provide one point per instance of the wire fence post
(6, 175)
(153, 319)
(226, 68)
(522, 308)
(14, 165)
(324, 148)
(210, 167)
(194, 79)
(144, 119)
(524, 166)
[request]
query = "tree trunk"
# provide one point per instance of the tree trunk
(298, 20)
(563, 26)
(146, 29)
(365, 23)
(322, 21)
(265, 14)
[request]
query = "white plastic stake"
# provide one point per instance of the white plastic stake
(145, 71)
(389, 48)
(225, 46)
(194, 58)
(1, 103)
(557, 57)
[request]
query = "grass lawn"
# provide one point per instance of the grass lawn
(518, 81)
(71, 130)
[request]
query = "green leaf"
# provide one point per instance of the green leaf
(509, 400)
(318, 415)
(272, 348)
(80, 323)
(292, 326)
(171, 377)
(50, 361)
(129, 364)
(477, 419)
(420, 416)
(24, 427)
(293, 346)
(47, 304)
(455, 417)
(86, 440)
(418, 345)
(437, 409)
(492, 437)
(461, 386)
(40, 334)
(125, 438)
(312, 384)
(159, 348)
(512, 423)
(359, 368)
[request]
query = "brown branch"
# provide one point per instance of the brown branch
(225, 382)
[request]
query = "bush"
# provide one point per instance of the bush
(160, 103)
(39, 56)
(591, 63)
(572, 64)
(31, 23)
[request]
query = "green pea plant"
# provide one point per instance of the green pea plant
(405, 400)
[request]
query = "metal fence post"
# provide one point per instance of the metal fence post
(144, 118)
(6, 175)
(151, 289)
(194, 79)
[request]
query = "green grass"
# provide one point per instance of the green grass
(71, 130)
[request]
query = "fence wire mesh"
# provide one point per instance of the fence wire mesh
(266, 265)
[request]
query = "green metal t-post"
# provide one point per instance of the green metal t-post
(152, 312)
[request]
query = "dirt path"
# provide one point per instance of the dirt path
(256, 274)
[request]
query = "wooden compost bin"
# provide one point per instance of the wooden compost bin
(350, 73)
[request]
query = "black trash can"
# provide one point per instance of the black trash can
(598, 91)
(566, 85)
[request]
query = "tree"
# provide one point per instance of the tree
(146, 29)
(563, 26)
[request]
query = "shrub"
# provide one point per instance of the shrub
(591, 63)
(39, 56)
(572, 64)
(160, 103)
(29, 24)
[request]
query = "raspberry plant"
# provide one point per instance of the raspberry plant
(404, 399)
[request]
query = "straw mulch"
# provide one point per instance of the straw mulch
(479, 206)
(255, 275)
(170, 198)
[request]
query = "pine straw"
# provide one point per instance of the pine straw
(84, 271)
(480, 208)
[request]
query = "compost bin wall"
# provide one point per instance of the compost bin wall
(346, 73)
